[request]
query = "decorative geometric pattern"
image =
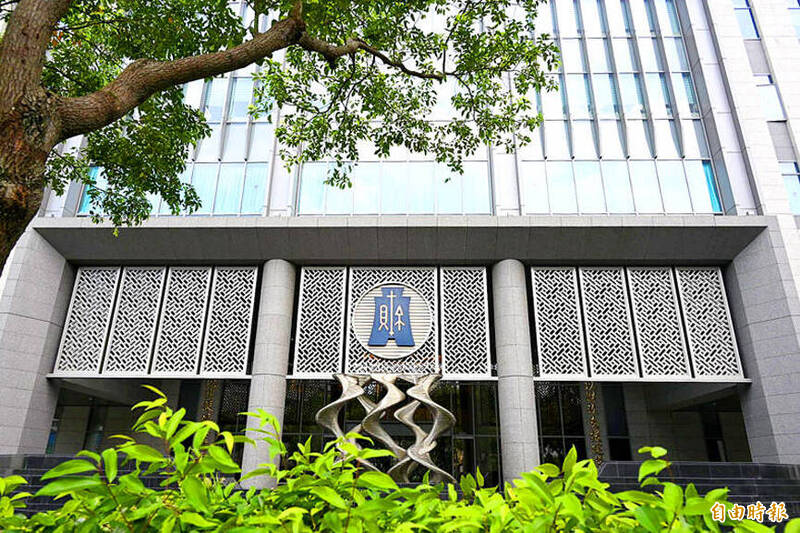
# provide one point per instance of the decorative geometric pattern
(424, 360)
(181, 323)
(135, 317)
(319, 340)
(230, 317)
(708, 323)
(609, 332)
(657, 321)
(559, 331)
(85, 329)
(465, 322)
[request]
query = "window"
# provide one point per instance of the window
(769, 99)
(745, 18)
(619, 443)
(561, 187)
(791, 178)
(560, 421)
(794, 12)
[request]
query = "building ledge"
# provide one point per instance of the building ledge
(702, 239)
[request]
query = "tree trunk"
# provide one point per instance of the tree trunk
(28, 135)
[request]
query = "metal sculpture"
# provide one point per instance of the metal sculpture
(418, 454)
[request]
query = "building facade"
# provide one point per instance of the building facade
(628, 278)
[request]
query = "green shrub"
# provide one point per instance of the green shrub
(328, 492)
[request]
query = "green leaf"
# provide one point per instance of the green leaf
(648, 518)
(377, 480)
(157, 391)
(69, 484)
(73, 466)
(654, 451)
(673, 496)
(195, 519)
(569, 461)
(195, 492)
(651, 466)
(110, 462)
(221, 456)
(793, 526)
(144, 453)
(549, 470)
(330, 496)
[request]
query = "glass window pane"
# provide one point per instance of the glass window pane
(645, 187)
(312, 188)
(684, 94)
(338, 201)
(694, 139)
(255, 188)
(229, 189)
(640, 13)
(209, 147)
(554, 102)
(795, 14)
(204, 181)
(791, 179)
(659, 97)
(617, 187)
(235, 142)
(676, 54)
(565, 15)
(649, 55)
(532, 150)
(556, 139)
(477, 197)
(674, 191)
(668, 17)
(215, 99)
(242, 91)
(394, 188)
(544, 20)
(591, 18)
(421, 188)
(261, 142)
(611, 138)
(617, 19)
(561, 187)
(606, 99)
(534, 187)
(639, 144)
(572, 55)
(746, 23)
(583, 144)
(702, 200)
(623, 55)
(100, 182)
(598, 52)
(632, 97)
(666, 138)
(770, 102)
(589, 185)
(366, 180)
(578, 91)
(448, 193)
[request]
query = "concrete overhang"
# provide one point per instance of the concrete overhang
(703, 239)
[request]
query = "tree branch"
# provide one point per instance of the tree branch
(333, 52)
(22, 50)
(143, 78)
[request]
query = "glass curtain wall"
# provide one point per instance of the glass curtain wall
(623, 134)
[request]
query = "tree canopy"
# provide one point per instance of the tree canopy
(342, 72)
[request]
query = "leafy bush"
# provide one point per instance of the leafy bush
(328, 491)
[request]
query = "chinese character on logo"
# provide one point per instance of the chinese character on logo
(391, 318)
(736, 512)
(718, 512)
(755, 511)
(777, 512)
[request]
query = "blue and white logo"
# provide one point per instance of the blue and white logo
(392, 320)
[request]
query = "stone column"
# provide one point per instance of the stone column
(271, 356)
(35, 288)
(518, 432)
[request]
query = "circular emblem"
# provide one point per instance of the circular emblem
(392, 320)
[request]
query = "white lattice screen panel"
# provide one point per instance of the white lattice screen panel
(708, 323)
(558, 324)
(164, 318)
(657, 321)
(640, 323)
(85, 329)
(422, 361)
(319, 340)
(609, 334)
(230, 320)
(135, 318)
(465, 322)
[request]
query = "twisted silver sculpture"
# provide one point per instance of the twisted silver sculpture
(418, 454)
